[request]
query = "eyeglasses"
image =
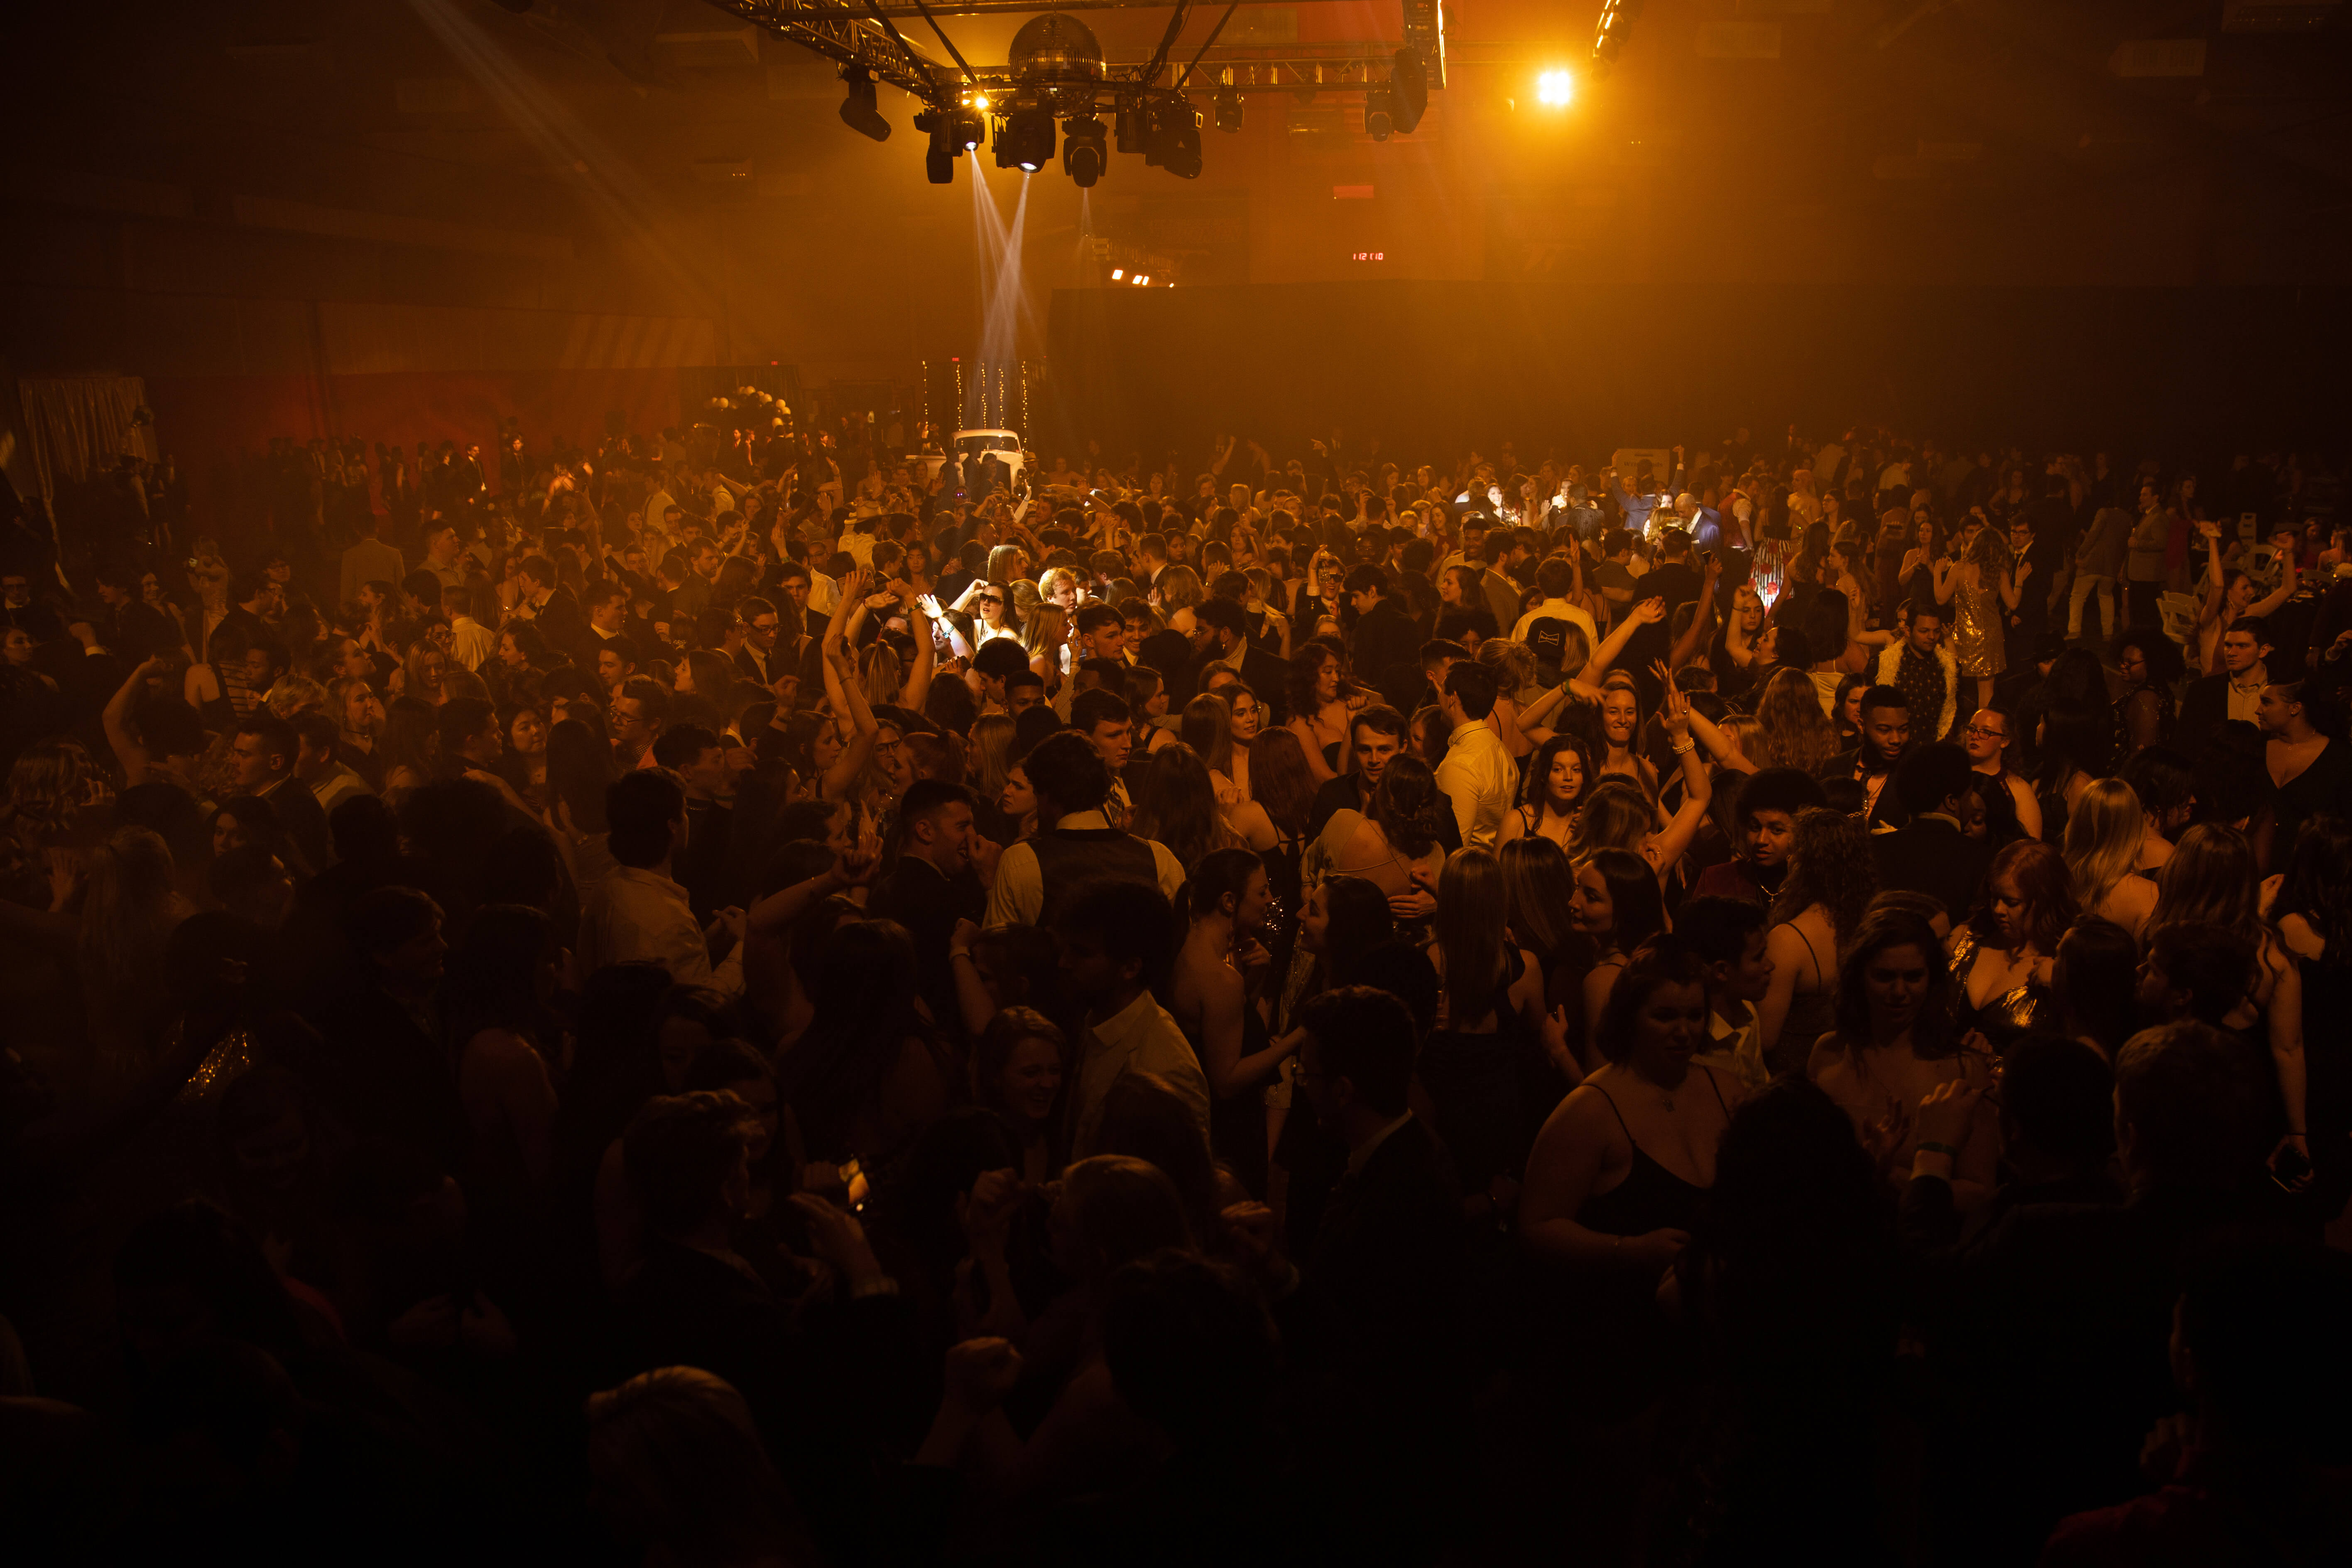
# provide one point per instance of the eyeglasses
(1988, 735)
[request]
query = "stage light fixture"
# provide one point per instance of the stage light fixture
(1024, 140)
(969, 127)
(1379, 112)
(1554, 89)
(1229, 108)
(1142, 278)
(859, 111)
(1173, 141)
(939, 158)
(1410, 82)
(1083, 154)
(1116, 273)
(1127, 125)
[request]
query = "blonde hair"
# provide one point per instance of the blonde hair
(294, 693)
(1514, 664)
(1791, 730)
(1044, 629)
(2103, 832)
(1617, 815)
(990, 759)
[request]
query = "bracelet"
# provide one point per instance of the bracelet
(1929, 1146)
(1688, 746)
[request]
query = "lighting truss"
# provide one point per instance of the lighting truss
(863, 33)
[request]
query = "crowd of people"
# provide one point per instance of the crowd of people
(749, 997)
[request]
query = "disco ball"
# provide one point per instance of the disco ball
(1056, 57)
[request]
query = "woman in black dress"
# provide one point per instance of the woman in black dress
(1620, 1173)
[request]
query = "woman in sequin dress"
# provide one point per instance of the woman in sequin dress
(1983, 586)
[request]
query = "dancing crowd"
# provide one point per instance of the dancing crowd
(751, 996)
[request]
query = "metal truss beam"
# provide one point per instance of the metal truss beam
(847, 32)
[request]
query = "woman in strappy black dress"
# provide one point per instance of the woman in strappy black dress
(1616, 1182)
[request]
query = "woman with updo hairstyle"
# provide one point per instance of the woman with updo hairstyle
(1395, 844)
(1019, 1069)
(2004, 957)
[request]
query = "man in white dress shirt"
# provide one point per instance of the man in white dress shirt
(1477, 774)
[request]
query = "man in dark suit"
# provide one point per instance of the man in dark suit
(1374, 1322)
(1379, 735)
(1268, 675)
(1384, 640)
(1885, 737)
(2212, 701)
(550, 607)
(265, 748)
(756, 660)
(1930, 854)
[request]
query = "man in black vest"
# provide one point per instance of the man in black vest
(1037, 876)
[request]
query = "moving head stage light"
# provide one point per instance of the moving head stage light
(1056, 75)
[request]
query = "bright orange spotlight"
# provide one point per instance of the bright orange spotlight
(1554, 89)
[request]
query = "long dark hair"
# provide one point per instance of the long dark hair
(1636, 911)
(1830, 863)
(2318, 885)
(1538, 791)
(1306, 665)
(863, 993)
(1177, 805)
(1936, 1032)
